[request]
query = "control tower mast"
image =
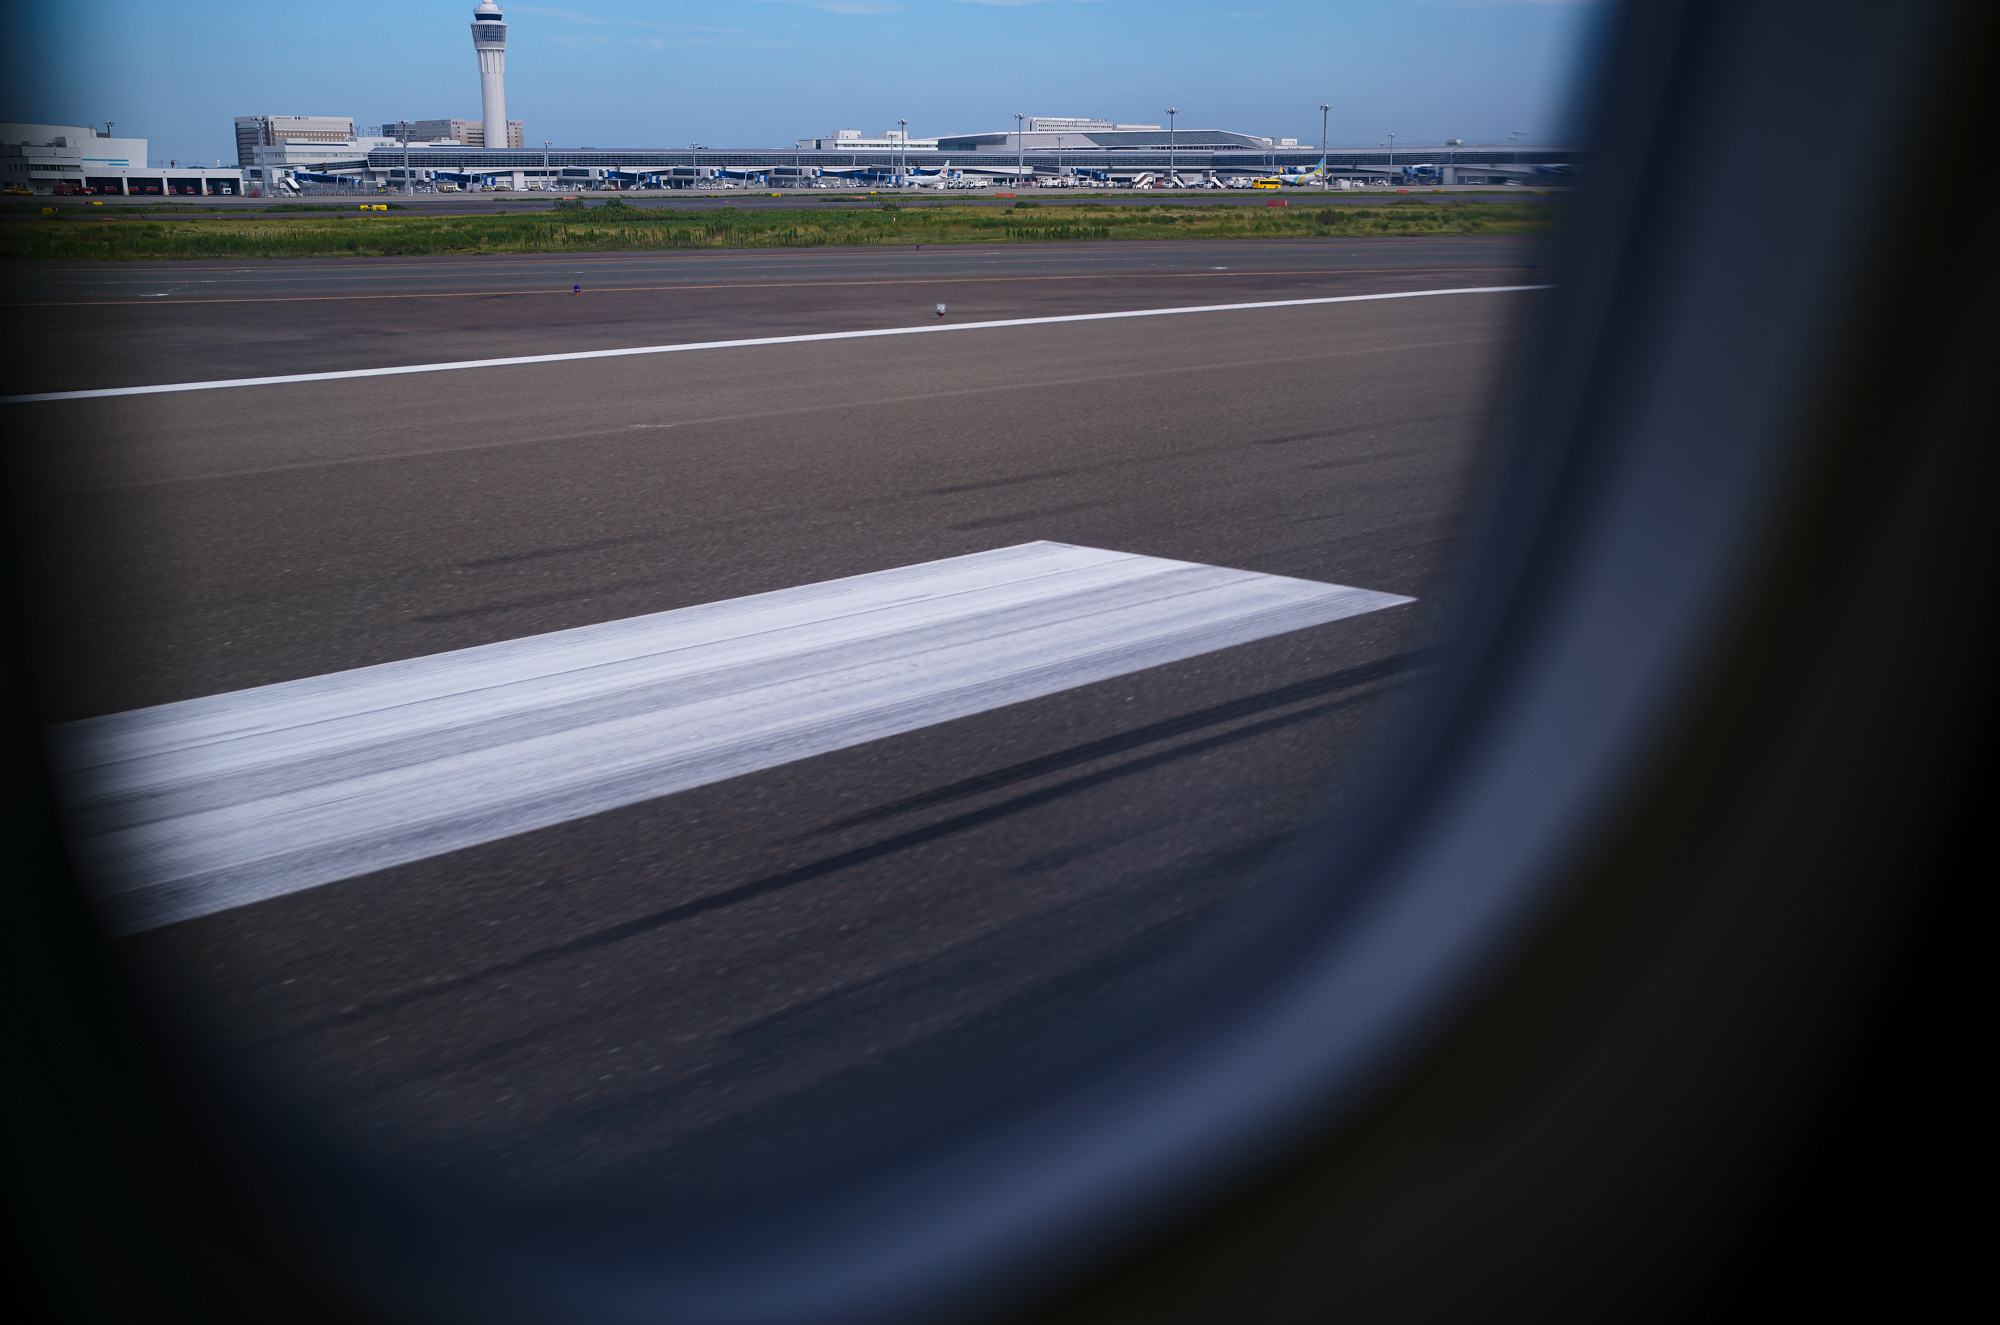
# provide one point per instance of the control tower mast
(489, 40)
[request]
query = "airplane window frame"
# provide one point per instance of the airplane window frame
(1648, 639)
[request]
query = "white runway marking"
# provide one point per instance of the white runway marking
(918, 330)
(200, 806)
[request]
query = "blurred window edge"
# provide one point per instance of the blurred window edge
(1660, 825)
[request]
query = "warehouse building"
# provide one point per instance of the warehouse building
(68, 159)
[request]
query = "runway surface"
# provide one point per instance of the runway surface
(193, 808)
(83, 326)
(926, 860)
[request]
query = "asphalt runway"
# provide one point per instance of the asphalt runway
(833, 961)
(82, 326)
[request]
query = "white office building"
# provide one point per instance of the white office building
(265, 131)
(466, 133)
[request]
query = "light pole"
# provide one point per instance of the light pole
(545, 165)
(903, 144)
(1323, 109)
(1020, 148)
(403, 127)
(1172, 178)
(1392, 158)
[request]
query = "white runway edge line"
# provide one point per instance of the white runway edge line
(920, 330)
(196, 807)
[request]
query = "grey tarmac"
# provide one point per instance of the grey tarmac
(841, 960)
(87, 325)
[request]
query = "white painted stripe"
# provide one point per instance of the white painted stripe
(192, 808)
(919, 330)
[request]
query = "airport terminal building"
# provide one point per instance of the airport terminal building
(595, 167)
(325, 153)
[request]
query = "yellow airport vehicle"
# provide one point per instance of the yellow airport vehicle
(20, 189)
(1265, 184)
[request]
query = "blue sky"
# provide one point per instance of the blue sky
(744, 73)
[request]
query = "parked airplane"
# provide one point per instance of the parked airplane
(1302, 175)
(1291, 176)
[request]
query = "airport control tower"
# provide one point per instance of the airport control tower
(489, 39)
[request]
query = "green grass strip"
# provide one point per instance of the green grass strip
(80, 236)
